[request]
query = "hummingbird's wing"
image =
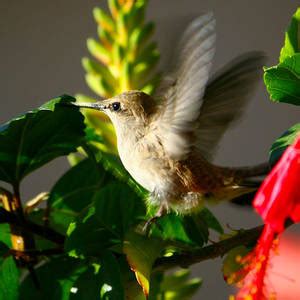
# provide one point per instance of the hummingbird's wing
(182, 91)
(225, 98)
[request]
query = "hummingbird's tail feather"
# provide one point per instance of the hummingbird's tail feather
(251, 171)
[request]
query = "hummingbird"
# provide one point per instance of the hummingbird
(166, 142)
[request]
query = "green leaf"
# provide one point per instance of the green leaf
(102, 280)
(141, 252)
(75, 189)
(56, 277)
(283, 81)
(283, 142)
(9, 279)
(291, 43)
(37, 137)
(191, 229)
(5, 234)
(115, 209)
(171, 227)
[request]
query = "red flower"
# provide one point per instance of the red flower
(279, 196)
(277, 200)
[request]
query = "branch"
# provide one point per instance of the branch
(45, 252)
(184, 260)
(45, 232)
(243, 237)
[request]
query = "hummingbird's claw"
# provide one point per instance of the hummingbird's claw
(161, 212)
(149, 223)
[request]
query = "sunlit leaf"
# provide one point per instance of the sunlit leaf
(283, 81)
(190, 229)
(291, 43)
(141, 253)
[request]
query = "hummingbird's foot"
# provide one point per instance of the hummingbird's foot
(161, 212)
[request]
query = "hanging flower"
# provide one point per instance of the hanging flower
(277, 200)
(279, 196)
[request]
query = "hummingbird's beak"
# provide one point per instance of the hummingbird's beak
(96, 105)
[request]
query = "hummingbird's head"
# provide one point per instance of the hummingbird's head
(132, 107)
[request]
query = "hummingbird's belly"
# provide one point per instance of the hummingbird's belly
(150, 174)
(150, 171)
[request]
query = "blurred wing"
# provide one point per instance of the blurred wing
(183, 90)
(225, 99)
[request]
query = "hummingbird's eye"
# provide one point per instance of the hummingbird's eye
(116, 106)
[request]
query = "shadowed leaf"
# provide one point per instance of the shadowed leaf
(35, 138)
(102, 280)
(283, 142)
(64, 272)
(114, 210)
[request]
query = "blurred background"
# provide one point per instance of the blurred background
(42, 43)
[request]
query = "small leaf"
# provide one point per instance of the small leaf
(103, 19)
(96, 68)
(9, 279)
(102, 280)
(291, 43)
(283, 81)
(34, 139)
(141, 35)
(114, 7)
(98, 84)
(98, 51)
(283, 142)
(141, 252)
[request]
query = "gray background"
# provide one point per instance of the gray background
(42, 42)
